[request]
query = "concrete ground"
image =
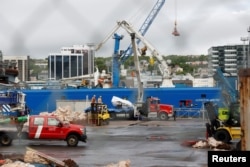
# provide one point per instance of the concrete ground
(143, 143)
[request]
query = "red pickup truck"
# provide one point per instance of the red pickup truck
(43, 128)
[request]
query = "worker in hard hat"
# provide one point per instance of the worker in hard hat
(99, 100)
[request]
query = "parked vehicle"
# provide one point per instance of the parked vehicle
(122, 109)
(150, 108)
(40, 127)
(12, 103)
(153, 108)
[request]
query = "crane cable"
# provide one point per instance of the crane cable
(175, 10)
(138, 14)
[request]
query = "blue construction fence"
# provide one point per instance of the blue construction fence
(189, 112)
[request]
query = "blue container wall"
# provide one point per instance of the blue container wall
(45, 100)
(197, 95)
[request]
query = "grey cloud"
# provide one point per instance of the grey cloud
(45, 26)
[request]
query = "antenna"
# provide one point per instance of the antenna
(175, 32)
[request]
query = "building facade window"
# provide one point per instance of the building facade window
(74, 66)
(80, 65)
(66, 67)
(71, 62)
(51, 67)
(59, 67)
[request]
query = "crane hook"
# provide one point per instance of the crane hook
(175, 32)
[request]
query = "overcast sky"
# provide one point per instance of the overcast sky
(40, 27)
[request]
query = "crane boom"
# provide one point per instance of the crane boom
(144, 28)
(118, 58)
(137, 69)
(163, 67)
(230, 94)
(107, 37)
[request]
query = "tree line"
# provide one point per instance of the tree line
(105, 63)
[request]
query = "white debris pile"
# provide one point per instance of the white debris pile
(28, 159)
(125, 163)
(212, 143)
(17, 164)
(65, 114)
(201, 144)
(32, 157)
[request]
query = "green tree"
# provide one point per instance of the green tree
(35, 69)
(100, 62)
(181, 61)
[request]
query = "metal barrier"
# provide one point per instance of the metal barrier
(188, 112)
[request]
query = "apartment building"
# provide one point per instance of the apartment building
(22, 64)
(230, 58)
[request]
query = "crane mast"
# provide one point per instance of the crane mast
(116, 57)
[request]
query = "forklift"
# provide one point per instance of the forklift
(224, 124)
(99, 114)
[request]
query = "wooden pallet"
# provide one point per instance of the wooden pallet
(48, 158)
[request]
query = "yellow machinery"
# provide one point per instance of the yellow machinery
(224, 122)
(100, 115)
(227, 133)
(223, 114)
(226, 125)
